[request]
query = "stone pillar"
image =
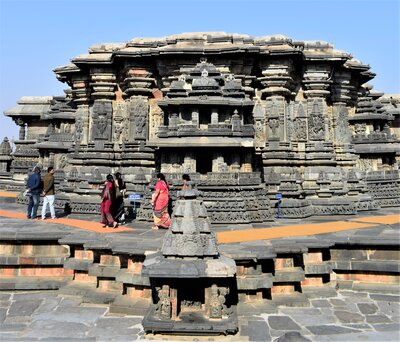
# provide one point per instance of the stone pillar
(259, 125)
(195, 117)
(22, 129)
(277, 81)
(214, 116)
(316, 82)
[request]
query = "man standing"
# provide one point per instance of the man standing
(34, 186)
(48, 193)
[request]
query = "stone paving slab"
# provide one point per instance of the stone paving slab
(67, 319)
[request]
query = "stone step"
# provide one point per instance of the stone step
(376, 287)
(322, 268)
(380, 266)
(33, 283)
(78, 264)
(14, 259)
(313, 292)
(130, 306)
(289, 274)
(97, 296)
(253, 282)
(104, 270)
(127, 277)
(291, 299)
(75, 288)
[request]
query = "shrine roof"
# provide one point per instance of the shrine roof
(208, 42)
(30, 106)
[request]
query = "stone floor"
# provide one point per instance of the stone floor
(350, 316)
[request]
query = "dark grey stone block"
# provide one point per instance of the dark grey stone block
(348, 317)
(255, 330)
(55, 330)
(3, 314)
(385, 298)
(23, 308)
(329, 330)
(282, 323)
(292, 336)
(367, 308)
(320, 303)
(378, 319)
(292, 274)
(386, 327)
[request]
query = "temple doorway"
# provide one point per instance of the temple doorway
(203, 163)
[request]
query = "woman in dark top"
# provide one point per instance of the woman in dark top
(120, 190)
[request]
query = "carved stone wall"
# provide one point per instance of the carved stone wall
(300, 115)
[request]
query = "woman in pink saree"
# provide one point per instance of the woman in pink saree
(107, 197)
(159, 201)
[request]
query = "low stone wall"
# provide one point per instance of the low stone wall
(279, 273)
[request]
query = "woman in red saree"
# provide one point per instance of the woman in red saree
(107, 197)
(159, 201)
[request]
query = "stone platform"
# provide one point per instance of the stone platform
(325, 279)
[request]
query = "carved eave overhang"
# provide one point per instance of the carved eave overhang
(320, 50)
(30, 107)
(65, 72)
(49, 145)
(201, 142)
(361, 69)
(93, 58)
(59, 116)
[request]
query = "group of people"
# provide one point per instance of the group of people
(112, 201)
(36, 187)
(112, 198)
(160, 200)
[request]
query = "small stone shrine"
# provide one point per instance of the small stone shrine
(194, 287)
(251, 119)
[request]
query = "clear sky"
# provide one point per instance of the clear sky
(36, 35)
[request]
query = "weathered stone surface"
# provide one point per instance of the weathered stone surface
(23, 308)
(348, 317)
(367, 309)
(56, 329)
(292, 336)
(255, 330)
(295, 135)
(282, 323)
(329, 330)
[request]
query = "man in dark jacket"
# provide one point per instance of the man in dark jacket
(48, 193)
(34, 186)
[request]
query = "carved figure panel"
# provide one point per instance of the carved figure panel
(101, 120)
(316, 123)
(163, 307)
(156, 119)
(139, 108)
(120, 122)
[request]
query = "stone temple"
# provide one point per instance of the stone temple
(259, 123)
